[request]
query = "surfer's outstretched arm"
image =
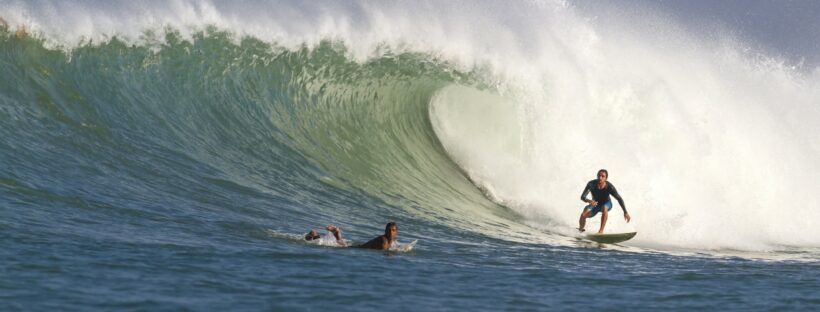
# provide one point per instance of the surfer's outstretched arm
(620, 202)
(337, 233)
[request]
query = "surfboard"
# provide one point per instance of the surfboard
(613, 238)
(405, 247)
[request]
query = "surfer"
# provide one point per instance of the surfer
(383, 242)
(600, 202)
(337, 233)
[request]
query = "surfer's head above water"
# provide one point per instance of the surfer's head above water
(312, 235)
(391, 230)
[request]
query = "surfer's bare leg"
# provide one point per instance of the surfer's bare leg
(337, 233)
(583, 220)
(604, 216)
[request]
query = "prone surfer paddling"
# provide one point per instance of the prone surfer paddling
(600, 202)
(337, 233)
(383, 242)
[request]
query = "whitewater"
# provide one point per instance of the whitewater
(170, 155)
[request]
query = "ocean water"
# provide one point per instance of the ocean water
(170, 155)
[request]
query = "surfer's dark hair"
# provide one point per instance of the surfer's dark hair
(604, 171)
(388, 226)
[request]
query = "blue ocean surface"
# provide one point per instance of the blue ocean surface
(171, 156)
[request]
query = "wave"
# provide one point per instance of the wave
(307, 125)
(363, 112)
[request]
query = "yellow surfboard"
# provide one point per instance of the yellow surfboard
(613, 238)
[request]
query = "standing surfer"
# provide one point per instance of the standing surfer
(600, 202)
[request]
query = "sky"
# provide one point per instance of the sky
(785, 28)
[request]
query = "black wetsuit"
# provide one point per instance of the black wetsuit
(602, 195)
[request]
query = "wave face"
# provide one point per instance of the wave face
(111, 123)
(457, 116)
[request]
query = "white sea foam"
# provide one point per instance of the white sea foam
(711, 148)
